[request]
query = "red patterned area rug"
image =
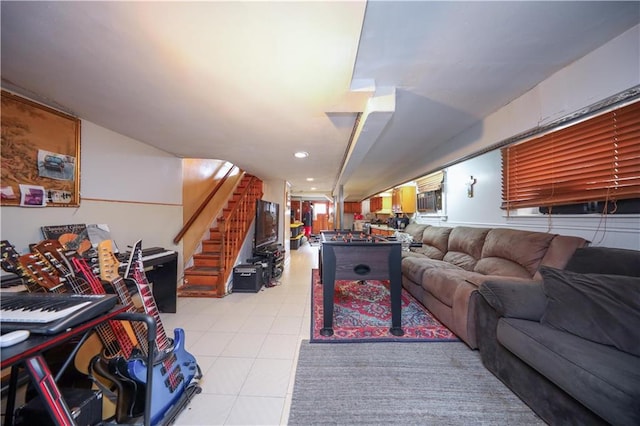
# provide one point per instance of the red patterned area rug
(362, 313)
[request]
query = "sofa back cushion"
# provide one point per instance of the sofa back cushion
(465, 246)
(512, 252)
(601, 308)
(560, 250)
(435, 240)
(415, 230)
(605, 260)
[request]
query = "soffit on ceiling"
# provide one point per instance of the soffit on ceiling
(252, 82)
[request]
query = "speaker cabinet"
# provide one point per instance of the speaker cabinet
(247, 278)
(85, 406)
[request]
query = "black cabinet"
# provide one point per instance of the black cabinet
(273, 257)
(162, 273)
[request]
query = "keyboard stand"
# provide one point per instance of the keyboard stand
(29, 355)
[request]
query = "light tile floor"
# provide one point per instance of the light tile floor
(247, 346)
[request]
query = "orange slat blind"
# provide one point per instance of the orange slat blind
(595, 160)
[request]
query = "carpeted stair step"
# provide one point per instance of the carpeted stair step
(197, 291)
(201, 276)
(206, 260)
(200, 282)
(226, 211)
(210, 246)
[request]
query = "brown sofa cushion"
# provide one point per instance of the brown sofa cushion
(560, 250)
(443, 283)
(414, 265)
(413, 268)
(465, 246)
(511, 252)
(415, 230)
(435, 240)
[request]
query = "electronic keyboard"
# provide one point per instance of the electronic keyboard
(51, 313)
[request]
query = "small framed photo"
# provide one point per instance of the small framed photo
(32, 196)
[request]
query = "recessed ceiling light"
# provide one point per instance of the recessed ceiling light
(309, 179)
(313, 188)
(301, 154)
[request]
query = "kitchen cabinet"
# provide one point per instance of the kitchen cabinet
(375, 204)
(380, 204)
(404, 199)
(352, 207)
(386, 205)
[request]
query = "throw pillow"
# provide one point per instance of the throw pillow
(601, 308)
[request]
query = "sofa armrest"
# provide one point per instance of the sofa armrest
(515, 299)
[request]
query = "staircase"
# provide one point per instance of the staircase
(213, 265)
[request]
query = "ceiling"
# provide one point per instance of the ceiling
(253, 82)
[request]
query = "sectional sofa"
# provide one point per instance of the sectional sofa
(452, 263)
(569, 345)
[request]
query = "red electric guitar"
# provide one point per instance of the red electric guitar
(114, 338)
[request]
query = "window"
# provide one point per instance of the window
(430, 202)
(596, 160)
(430, 193)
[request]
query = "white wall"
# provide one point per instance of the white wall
(115, 167)
(483, 210)
(134, 188)
(609, 70)
(606, 71)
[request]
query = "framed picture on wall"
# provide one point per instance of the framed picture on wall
(40, 147)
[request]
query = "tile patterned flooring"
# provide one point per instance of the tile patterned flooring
(247, 346)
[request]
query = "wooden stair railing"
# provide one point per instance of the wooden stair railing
(212, 268)
(234, 225)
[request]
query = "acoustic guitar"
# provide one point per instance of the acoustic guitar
(9, 262)
(112, 342)
(39, 273)
(77, 242)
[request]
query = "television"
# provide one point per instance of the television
(267, 221)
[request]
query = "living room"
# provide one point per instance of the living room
(137, 189)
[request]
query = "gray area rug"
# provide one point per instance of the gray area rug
(433, 383)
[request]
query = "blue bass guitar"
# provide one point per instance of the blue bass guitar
(175, 371)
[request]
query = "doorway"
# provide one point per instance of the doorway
(322, 215)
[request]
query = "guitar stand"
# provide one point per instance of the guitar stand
(189, 391)
(187, 395)
(45, 383)
(151, 338)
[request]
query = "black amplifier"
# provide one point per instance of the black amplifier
(85, 406)
(247, 278)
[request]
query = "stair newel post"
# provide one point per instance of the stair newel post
(222, 226)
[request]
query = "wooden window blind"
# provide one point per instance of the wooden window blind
(431, 182)
(597, 159)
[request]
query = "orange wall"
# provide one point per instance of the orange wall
(199, 177)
